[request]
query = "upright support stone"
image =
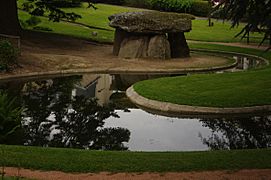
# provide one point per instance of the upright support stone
(120, 35)
(134, 47)
(159, 47)
(178, 45)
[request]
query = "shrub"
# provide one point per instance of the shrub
(138, 3)
(195, 7)
(33, 21)
(172, 5)
(8, 55)
(10, 117)
(201, 8)
(42, 28)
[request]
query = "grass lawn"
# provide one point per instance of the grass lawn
(223, 90)
(72, 160)
(220, 32)
(214, 90)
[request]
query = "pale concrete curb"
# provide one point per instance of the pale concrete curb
(165, 108)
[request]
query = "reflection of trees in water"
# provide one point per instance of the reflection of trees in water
(238, 133)
(53, 117)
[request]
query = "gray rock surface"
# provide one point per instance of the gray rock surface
(134, 47)
(159, 47)
(152, 22)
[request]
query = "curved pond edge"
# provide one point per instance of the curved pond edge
(68, 72)
(232, 54)
(176, 110)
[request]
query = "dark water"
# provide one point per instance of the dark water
(91, 111)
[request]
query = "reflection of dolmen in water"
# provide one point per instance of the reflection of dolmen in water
(95, 86)
(151, 34)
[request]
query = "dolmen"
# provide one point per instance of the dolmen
(151, 34)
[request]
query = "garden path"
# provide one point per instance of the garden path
(247, 174)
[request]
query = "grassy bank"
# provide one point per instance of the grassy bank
(239, 89)
(71, 160)
(220, 32)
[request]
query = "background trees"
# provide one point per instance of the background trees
(256, 14)
(9, 23)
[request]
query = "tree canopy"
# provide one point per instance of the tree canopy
(9, 23)
(256, 14)
(40, 7)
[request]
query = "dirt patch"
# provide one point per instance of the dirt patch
(263, 174)
(41, 52)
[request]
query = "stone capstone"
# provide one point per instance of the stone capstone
(152, 22)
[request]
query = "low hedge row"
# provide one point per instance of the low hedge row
(195, 7)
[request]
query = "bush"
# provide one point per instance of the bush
(195, 7)
(172, 5)
(201, 8)
(42, 28)
(8, 55)
(33, 21)
(138, 3)
(10, 117)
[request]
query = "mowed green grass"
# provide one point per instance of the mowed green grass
(72, 160)
(220, 32)
(240, 89)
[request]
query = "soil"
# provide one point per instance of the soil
(252, 174)
(41, 52)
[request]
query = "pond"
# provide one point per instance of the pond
(91, 111)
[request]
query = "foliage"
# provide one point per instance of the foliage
(256, 12)
(172, 5)
(41, 28)
(8, 55)
(42, 7)
(33, 21)
(200, 8)
(138, 3)
(10, 117)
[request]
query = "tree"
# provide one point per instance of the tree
(9, 23)
(256, 14)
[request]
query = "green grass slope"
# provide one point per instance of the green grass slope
(72, 160)
(240, 89)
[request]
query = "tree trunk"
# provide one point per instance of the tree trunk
(9, 23)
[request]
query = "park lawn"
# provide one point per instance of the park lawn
(240, 89)
(74, 160)
(220, 32)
